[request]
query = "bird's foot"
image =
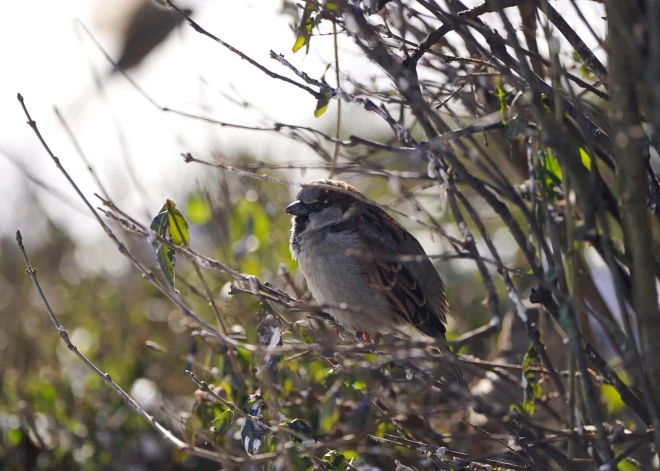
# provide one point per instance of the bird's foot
(365, 337)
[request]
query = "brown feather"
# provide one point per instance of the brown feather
(403, 293)
(413, 290)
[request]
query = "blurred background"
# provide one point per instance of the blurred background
(54, 414)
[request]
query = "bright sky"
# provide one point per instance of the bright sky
(47, 58)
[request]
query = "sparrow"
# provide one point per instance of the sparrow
(349, 251)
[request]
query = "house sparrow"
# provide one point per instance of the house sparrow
(347, 250)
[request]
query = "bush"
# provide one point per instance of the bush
(532, 171)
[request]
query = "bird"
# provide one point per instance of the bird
(140, 32)
(149, 26)
(350, 253)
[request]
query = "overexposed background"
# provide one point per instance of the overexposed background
(51, 61)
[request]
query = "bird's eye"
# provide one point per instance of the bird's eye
(319, 204)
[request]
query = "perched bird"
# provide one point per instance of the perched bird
(349, 251)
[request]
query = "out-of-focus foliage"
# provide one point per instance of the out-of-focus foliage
(48, 396)
(122, 324)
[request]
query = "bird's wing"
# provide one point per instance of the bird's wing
(405, 295)
(396, 280)
(414, 289)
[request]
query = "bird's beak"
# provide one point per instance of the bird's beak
(297, 208)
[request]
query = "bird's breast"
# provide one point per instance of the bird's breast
(335, 278)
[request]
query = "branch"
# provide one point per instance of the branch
(165, 433)
(631, 178)
(240, 54)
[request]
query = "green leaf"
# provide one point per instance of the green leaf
(552, 168)
(14, 437)
(321, 107)
(613, 402)
(165, 259)
(584, 71)
(302, 429)
(178, 225)
(318, 371)
(332, 6)
(356, 384)
(351, 455)
(221, 424)
(532, 390)
(627, 465)
(329, 412)
(545, 102)
(206, 410)
(251, 235)
(191, 424)
(550, 174)
(296, 459)
(198, 209)
(300, 42)
(586, 158)
(169, 224)
(330, 378)
(305, 28)
(159, 225)
(335, 460)
(244, 356)
(501, 96)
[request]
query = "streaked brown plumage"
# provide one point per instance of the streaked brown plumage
(353, 252)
